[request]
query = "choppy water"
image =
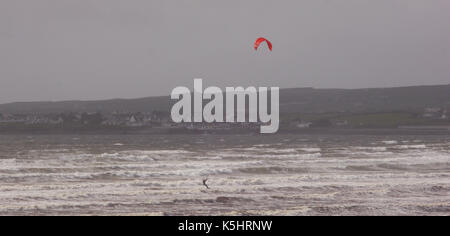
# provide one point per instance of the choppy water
(248, 175)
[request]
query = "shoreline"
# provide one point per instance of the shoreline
(179, 131)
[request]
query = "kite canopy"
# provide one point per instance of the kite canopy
(260, 40)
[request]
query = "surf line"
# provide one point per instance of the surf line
(214, 110)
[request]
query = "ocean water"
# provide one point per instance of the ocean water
(247, 175)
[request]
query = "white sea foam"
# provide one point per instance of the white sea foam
(390, 142)
(376, 149)
(254, 174)
(418, 146)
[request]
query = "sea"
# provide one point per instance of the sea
(280, 174)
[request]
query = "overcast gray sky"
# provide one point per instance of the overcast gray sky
(99, 49)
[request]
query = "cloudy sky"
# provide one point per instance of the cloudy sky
(100, 49)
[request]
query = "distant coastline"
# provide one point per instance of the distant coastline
(235, 131)
(292, 100)
(401, 110)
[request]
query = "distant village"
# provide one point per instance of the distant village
(156, 119)
(90, 119)
(162, 120)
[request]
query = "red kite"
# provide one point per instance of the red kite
(260, 40)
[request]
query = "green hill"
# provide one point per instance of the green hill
(296, 100)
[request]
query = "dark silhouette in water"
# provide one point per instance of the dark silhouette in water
(204, 183)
